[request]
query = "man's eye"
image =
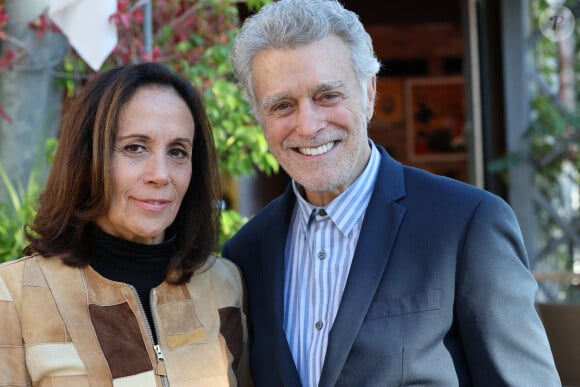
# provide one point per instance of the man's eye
(329, 96)
(281, 106)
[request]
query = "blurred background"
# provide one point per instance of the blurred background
(483, 91)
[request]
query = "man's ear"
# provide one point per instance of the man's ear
(371, 97)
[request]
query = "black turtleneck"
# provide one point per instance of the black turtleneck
(140, 265)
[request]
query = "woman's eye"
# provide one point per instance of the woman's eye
(179, 153)
(135, 148)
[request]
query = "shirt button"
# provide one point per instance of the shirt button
(318, 325)
(321, 255)
(322, 212)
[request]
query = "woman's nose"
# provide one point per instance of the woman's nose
(158, 170)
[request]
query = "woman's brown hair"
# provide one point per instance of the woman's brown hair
(78, 188)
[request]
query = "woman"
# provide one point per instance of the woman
(120, 286)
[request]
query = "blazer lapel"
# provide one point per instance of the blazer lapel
(378, 234)
(274, 267)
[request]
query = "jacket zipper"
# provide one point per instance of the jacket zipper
(160, 366)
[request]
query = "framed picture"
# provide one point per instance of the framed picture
(435, 118)
(389, 105)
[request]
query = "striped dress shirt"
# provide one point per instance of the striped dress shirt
(319, 253)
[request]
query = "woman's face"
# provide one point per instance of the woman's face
(151, 165)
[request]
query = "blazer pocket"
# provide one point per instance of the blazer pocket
(416, 303)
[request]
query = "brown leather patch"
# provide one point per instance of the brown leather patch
(231, 329)
(32, 275)
(118, 332)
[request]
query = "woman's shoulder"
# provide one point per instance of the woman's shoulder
(13, 275)
(221, 275)
(32, 269)
(17, 264)
(219, 267)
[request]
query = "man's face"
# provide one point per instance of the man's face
(314, 114)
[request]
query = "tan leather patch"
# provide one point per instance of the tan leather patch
(10, 326)
(32, 275)
(39, 302)
(56, 359)
(120, 338)
(167, 293)
(195, 337)
(4, 292)
(13, 367)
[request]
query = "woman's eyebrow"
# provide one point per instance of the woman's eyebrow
(136, 135)
(145, 137)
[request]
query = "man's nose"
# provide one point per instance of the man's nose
(309, 119)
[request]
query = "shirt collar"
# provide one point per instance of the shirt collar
(346, 209)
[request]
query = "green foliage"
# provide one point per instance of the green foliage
(231, 222)
(14, 214)
(552, 141)
(240, 143)
(21, 206)
(239, 140)
(193, 37)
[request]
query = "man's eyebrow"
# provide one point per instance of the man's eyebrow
(273, 99)
(329, 86)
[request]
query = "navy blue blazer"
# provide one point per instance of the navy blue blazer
(439, 292)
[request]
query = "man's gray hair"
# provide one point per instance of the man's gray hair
(293, 23)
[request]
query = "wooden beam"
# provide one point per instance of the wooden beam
(557, 277)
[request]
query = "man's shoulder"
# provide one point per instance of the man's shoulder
(435, 191)
(419, 178)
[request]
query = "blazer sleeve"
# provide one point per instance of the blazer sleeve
(13, 370)
(505, 341)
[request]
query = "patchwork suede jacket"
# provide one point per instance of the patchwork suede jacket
(64, 326)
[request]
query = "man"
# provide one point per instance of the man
(365, 272)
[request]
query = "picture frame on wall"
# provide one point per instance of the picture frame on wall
(435, 118)
(389, 107)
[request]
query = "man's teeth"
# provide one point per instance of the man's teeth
(318, 150)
